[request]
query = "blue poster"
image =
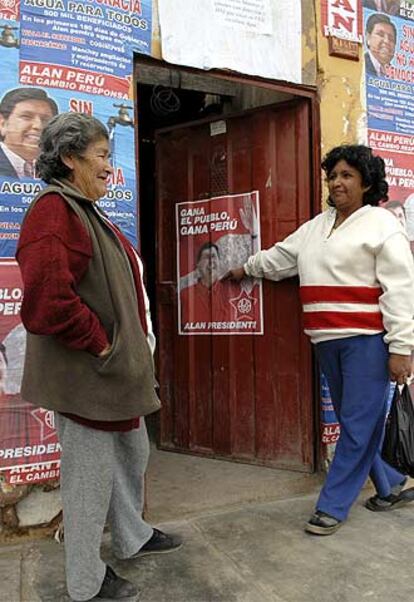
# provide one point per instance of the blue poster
(393, 8)
(389, 79)
(330, 425)
(68, 56)
(389, 70)
(84, 46)
(11, 210)
(18, 189)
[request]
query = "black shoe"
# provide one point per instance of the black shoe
(115, 587)
(160, 543)
(377, 503)
(321, 523)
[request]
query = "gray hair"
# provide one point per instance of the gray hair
(66, 134)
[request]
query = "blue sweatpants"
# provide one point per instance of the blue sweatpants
(356, 369)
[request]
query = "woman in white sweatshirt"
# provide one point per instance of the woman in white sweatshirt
(357, 289)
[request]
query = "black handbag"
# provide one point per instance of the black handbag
(398, 446)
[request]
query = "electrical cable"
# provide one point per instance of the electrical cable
(164, 101)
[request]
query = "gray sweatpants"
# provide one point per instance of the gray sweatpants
(102, 479)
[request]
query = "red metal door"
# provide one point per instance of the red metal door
(249, 397)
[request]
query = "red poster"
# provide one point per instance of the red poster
(342, 19)
(383, 141)
(71, 78)
(10, 9)
(213, 236)
(29, 449)
(400, 175)
(397, 151)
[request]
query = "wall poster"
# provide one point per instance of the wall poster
(249, 36)
(56, 56)
(29, 449)
(214, 235)
(330, 428)
(342, 19)
(389, 85)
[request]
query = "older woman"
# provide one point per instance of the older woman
(88, 354)
(357, 288)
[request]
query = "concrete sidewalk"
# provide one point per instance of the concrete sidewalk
(244, 542)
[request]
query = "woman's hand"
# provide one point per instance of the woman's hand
(236, 274)
(105, 351)
(399, 367)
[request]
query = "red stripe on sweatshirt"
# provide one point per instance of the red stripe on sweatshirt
(331, 320)
(340, 294)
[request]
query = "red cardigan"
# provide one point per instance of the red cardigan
(54, 252)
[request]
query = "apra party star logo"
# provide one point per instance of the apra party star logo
(46, 421)
(9, 9)
(244, 305)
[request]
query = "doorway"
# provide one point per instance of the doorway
(246, 398)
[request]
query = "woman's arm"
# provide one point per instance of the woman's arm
(280, 261)
(276, 263)
(53, 254)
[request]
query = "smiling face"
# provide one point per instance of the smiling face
(90, 171)
(381, 42)
(21, 130)
(208, 266)
(346, 188)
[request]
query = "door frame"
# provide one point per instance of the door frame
(303, 91)
(299, 91)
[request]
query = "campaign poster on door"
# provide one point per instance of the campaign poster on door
(29, 448)
(213, 236)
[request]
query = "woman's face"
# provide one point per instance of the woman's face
(90, 172)
(346, 188)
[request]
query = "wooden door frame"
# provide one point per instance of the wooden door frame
(300, 91)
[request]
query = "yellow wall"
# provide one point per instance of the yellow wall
(341, 93)
(156, 34)
(309, 44)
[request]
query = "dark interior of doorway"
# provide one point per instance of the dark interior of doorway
(160, 107)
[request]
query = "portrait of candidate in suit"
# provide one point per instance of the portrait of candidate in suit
(24, 112)
(380, 39)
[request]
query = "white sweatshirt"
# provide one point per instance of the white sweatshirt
(356, 279)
